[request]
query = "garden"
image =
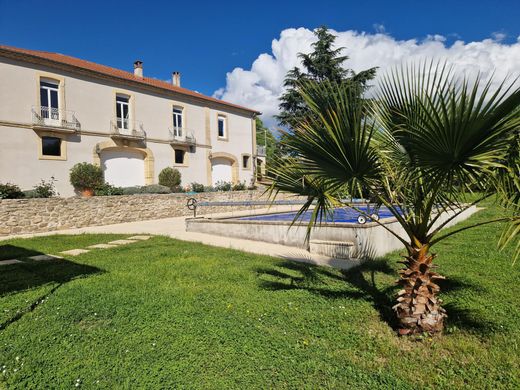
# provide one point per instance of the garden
(171, 314)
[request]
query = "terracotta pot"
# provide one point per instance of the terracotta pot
(87, 193)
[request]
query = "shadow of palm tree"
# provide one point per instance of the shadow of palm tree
(359, 283)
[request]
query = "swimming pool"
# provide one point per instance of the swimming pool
(347, 215)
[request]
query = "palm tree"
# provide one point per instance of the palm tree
(431, 143)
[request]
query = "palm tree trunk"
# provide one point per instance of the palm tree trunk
(418, 308)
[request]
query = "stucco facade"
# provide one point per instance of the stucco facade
(88, 100)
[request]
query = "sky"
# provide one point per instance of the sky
(240, 51)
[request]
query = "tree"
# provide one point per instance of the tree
(432, 143)
(264, 137)
(324, 64)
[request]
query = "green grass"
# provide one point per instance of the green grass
(169, 314)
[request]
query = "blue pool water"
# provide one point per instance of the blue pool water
(339, 215)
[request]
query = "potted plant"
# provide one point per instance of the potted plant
(85, 178)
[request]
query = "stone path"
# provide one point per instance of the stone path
(8, 262)
(78, 251)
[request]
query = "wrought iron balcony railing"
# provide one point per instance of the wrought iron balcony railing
(63, 120)
(125, 128)
(181, 135)
(261, 150)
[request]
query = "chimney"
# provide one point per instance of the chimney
(176, 79)
(138, 68)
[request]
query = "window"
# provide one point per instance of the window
(49, 99)
(222, 126)
(122, 110)
(179, 156)
(246, 161)
(51, 146)
(177, 122)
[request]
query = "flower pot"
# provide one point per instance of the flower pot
(87, 193)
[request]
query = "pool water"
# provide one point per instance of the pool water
(339, 215)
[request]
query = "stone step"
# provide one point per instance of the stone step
(335, 249)
(10, 261)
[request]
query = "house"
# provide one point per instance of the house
(57, 110)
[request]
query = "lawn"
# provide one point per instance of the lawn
(170, 314)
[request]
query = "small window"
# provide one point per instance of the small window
(179, 156)
(245, 162)
(51, 146)
(221, 126)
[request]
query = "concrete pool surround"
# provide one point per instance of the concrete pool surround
(335, 239)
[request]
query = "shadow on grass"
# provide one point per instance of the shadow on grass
(360, 283)
(30, 274)
(15, 252)
(470, 320)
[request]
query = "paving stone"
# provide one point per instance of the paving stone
(141, 238)
(102, 246)
(45, 257)
(10, 261)
(122, 242)
(75, 252)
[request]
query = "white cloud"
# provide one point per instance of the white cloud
(261, 86)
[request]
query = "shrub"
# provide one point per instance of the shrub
(197, 187)
(131, 190)
(170, 177)
(149, 189)
(108, 190)
(223, 186)
(86, 176)
(45, 189)
(10, 191)
(241, 186)
(209, 189)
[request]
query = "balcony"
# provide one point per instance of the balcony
(181, 135)
(127, 129)
(54, 119)
(261, 151)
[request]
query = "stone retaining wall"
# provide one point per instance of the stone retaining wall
(19, 216)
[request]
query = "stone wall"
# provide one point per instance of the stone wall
(20, 216)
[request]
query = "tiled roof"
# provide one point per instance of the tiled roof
(117, 73)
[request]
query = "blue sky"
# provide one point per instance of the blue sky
(206, 39)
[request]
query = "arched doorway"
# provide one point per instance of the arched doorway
(123, 165)
(123, 168)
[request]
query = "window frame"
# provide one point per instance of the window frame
(121, 104)
(178, 130)
(63, 146)
(51, 114)
(184, 155)
(224, 119)
(249, 159)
